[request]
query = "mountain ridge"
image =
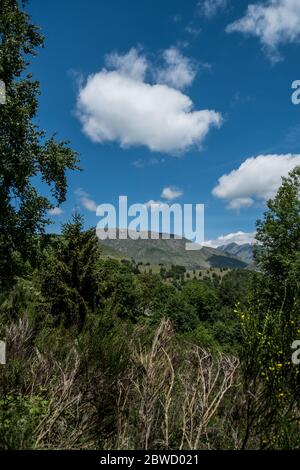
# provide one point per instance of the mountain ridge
(243, 252)
(170, 251)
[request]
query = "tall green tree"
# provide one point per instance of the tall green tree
(271, 323)
(278, 255)
(69, 279)
(25, 152)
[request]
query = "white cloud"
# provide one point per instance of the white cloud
(238, 237)
(142, 162)
(119, 105)
(209, 8)
(131, 64)
(86, 201)
(239, 202)
(257, 179)
(179, 71)
(55, 211)
(192, 30)
(274, 22)
(170, 193)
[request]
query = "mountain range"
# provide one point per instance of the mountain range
(243, 252)
(172, 251)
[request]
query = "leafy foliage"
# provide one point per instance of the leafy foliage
(271, 321)
(69, 274)
(25, 152)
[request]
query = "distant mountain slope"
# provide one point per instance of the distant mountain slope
(243, 252)
(169, 252)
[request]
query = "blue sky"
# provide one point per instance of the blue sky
(213, 81)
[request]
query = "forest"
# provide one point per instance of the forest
(103, 356)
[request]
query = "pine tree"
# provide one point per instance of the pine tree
(69, 276)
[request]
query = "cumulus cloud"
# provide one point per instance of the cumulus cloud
(171, 192)
(120, 105)
(274, 22)
(85, 200)
(210, 8)
(240, 238)
(55, 211)
(178, 72)
(131, 64)
(256, 180)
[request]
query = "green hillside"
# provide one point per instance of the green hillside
(168, 252)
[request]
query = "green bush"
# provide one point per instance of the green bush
(19, 417)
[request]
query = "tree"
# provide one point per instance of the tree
(270, 323)
(25, 152)
(202, 296)
(69, 278)
(234, 287)
(278, 254)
